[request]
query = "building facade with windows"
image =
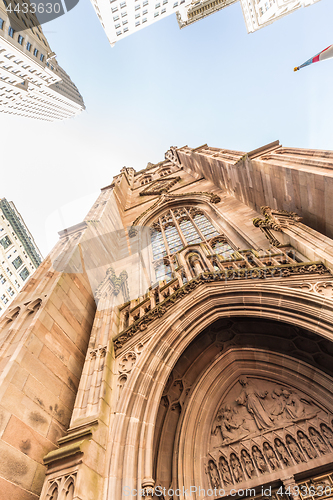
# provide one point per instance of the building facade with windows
(121, 18)
(180, 337)
(19, 254)
(260, 13)
(32, 84)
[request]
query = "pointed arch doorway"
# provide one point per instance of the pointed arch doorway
(248, 405)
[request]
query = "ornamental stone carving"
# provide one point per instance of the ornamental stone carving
(60, 488)
(325, 288)
(113, 285)
(226, 275)
(275, 220)
(127, 362)
(261, 427)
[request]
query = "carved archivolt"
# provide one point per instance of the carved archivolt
(262, 427)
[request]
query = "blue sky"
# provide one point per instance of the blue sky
(208, 83)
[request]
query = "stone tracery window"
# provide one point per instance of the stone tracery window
(178, 228)
(146, 180)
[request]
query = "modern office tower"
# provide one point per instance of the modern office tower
(19, 254)
(32, 84)
(121, 18)
(180, 337)
(260, 13)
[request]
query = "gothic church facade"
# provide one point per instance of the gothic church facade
(178, 343)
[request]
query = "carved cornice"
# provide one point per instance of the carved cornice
(227, 275)
(160, 186)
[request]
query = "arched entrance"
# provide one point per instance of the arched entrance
(248, 404)
(136, 442)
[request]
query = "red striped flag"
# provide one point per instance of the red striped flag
(324, 54)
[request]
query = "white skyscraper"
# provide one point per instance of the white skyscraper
(32, 84)
(260, 13)
(19, 254)
(121, 18)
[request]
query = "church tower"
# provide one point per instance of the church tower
(178, 343)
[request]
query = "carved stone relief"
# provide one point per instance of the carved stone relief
(262, 426)
(98, 352)
(61, 488)
(275, 220)
(324, 288)
(160, 309)
(127, 362)
(125, 366)
(113, 285)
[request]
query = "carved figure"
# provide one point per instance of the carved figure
(294, 450)
(306, 445)
(282, 452)
(225, 471)
(270, 456)
(214, 475)
(259, 459)
(228, 422)
(236, 468)
(248, 464)
(279, 405)
(250, 397)
(297, 407)
(318, 441)
(327, 433)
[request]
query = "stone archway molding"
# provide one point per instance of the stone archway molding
(134, 420)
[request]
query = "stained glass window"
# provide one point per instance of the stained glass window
(181, 227)
(174, 242)
(190, 233)
(222, 248)
(163, 271)
(205, 226)
(158, 247)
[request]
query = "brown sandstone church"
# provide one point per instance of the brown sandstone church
(178, 343)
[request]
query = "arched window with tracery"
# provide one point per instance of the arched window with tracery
(221, 247)
(146, 180)
(178, 228)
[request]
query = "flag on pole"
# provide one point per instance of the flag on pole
(324, 54)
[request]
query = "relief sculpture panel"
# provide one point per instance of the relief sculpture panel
(261, 427)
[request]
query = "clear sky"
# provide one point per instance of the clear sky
(210, 83)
